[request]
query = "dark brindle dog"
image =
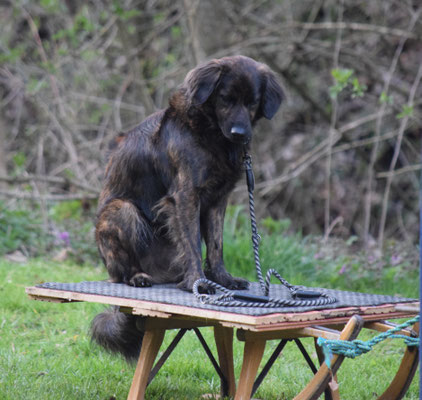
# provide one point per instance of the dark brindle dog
(167, 184)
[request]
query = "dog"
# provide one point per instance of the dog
(167, 185)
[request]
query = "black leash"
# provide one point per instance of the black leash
(230, 298)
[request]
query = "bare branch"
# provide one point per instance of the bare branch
(353, 26)
(38, 41)
(404, 170)
(48, 197)
(332, 131)
(49, 179)
(397, 148)
(191, 8)
(378, 127)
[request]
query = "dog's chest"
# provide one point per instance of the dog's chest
(219, 177)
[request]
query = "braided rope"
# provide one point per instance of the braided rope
(227, 298)
(356, 347)
(256, 238)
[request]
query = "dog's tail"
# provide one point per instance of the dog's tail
(117, 332)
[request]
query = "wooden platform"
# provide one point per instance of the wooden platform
(334, 323)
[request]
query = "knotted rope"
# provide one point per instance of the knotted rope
(355, 348)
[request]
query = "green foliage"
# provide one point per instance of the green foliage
(19, 159)
(74, 230)
(393, 271)
(20, 229)
(344, 78)
(98, 112)
(68, 227)
(275, 226)
(313, 262)
(51, 6)
(358, 89)
(123, 14)
(341, 79)
(407, 111)
(176, 32)
(35, 85)
(11, 55)
(66, 210)
(386, 99)
(79, 30)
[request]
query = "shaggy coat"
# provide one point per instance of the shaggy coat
(168, 181)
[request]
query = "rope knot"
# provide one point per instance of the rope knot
(356, 347)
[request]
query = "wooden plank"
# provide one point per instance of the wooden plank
(258, 323)
(144, 313)
(51, 299)
(331, 321)
(384, 326)
(408, 307)
(148, 324)
(310, 331)
(334, 322)
(43, 293)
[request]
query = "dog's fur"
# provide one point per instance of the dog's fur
(167, 184)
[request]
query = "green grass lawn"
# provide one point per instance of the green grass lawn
(46, 353)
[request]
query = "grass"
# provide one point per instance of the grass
(45, 349)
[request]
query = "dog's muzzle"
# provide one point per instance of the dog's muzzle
(240, 134)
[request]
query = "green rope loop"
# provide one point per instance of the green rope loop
(355, 348)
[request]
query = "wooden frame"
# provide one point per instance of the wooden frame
(254, 331)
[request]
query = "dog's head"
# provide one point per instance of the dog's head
(238, 90)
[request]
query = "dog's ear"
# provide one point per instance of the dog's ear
(272, 95)
(201, 82)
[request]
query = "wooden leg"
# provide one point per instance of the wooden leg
(224, 341)
(332, 391)
(321, 379)
(150, 345)
(399, 385)
(252, 356)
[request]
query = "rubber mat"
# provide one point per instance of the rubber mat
(170, 294)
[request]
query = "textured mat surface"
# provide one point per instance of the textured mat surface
(170, 294)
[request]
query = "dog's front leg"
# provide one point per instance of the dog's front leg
(183, 222)
(212, 225)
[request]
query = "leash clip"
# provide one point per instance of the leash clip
(250, 179)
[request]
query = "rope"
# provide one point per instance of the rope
(355, 348)
(300, 296)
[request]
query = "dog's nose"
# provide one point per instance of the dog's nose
(238, 131)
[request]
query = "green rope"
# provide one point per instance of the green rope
(356, 347)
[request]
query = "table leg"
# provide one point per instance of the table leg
(320, 380)
(224, 341)
(150, 345)
(252, 356)
(332, 391)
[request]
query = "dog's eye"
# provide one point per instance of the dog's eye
(225, 98)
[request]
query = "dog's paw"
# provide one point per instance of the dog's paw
(223, 278)
(240, 284)
(140, 280)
